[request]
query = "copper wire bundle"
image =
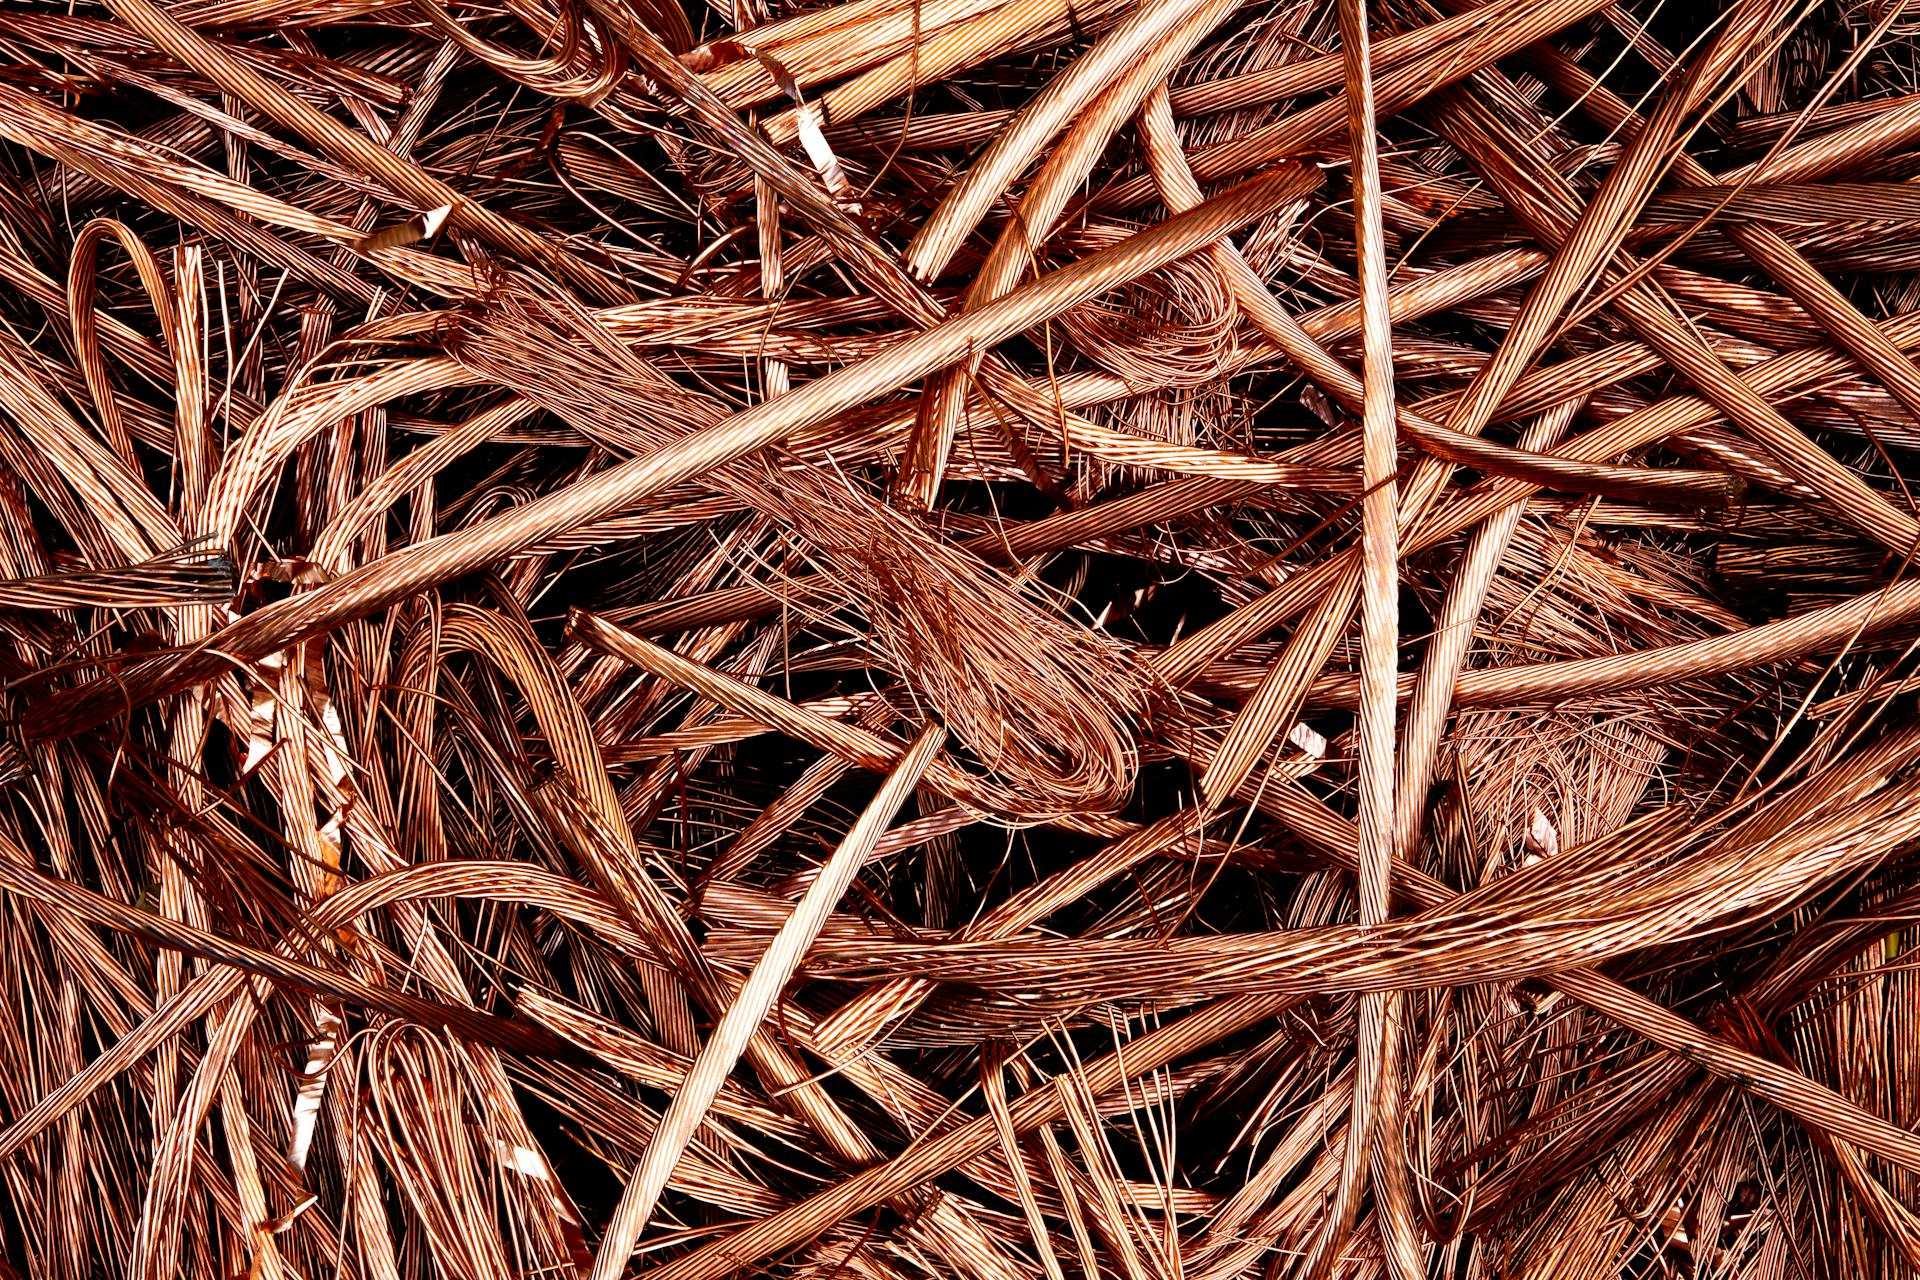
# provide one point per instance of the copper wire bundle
(959, 639)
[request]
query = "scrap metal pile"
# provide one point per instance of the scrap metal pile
(963, 639)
